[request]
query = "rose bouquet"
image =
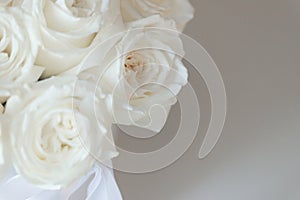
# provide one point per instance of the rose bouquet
(69, 69)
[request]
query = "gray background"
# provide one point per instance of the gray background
(256, 45)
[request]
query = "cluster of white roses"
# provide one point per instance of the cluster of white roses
(69, 69)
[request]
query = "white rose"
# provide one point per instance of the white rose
(69, 29)
(142, 70)
(179, 10)
(18, 50)
(53, 132)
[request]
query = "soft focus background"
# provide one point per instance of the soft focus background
(256, 45)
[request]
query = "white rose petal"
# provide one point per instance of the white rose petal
(179, 10)
(53, 132)
(69, 29)
(10, 2)
(5, 2)
(142, 71)
(18, 50)
(4, 148)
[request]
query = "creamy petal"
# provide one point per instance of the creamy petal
(179, 10)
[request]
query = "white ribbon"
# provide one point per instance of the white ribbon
(98, 184)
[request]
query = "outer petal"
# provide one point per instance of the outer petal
(179, 10)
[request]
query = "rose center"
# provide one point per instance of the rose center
(59, 134)
(135, 63)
